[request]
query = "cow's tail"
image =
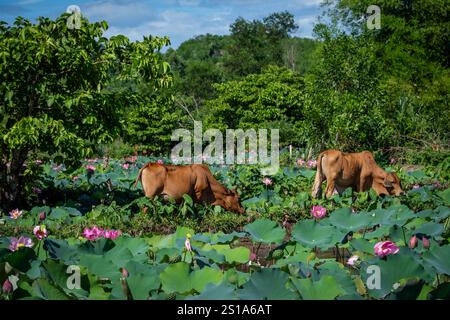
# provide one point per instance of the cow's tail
(139, 176)
(317, 187)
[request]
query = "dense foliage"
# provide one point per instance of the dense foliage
(276, 245)
(60, 92)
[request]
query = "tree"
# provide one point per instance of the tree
(57, 95)
(410, 59)
(270, 100)
(256, 44)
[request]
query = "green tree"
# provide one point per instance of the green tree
(56, 92)
(256, 44)
(411, 55)
(272, 99)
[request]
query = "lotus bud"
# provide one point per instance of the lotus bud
(413, 242)
(7, 286)
(425, 243)
(42, 216)
(124, 273)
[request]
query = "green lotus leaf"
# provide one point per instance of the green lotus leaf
(327, 288)
(445, 195)
(175, 278)
(311, 234)
(345, 219)
(431, 229)
(341, 274)
(267, 284)
(223, 291)
(439, 258)
(441, 213)
(398, 214)
(44, 290)
(395, 269)
(201, 277)
(142, 283)
(178, 278)
(363, 245)
(266, 231)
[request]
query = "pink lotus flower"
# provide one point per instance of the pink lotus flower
(425, 243)
(301, 162)
(160, 161)
(413, 242)
(267, 181)
(416, 186)
(93, 234)
(132, 159)
(392, 161)
(38, 162)
(92, 160)
(311, 164)
(42, 216)
(15, 244)
(90, 167)
(40, 232)
(112, 234)
(187, 243)
(352, 260)
(75, 178)
(253, 256)
(7, 286)
(58, 167)
(318, 212)
(15, 214)
(385, 248)
(126, 166)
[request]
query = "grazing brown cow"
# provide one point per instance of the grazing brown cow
(195, 180)
(356, 170)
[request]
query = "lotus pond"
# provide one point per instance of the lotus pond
(91, 235)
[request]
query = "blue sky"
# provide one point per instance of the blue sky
(178, 19)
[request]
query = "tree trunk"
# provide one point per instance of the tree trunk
(11, 180)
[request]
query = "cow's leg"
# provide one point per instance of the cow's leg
(330, 187)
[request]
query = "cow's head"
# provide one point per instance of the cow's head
(232, 202)
(392, 184)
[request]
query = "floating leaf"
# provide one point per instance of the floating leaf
(266, 231)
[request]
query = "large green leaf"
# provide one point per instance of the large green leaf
(267, 284)
(44, 290)
(232, 255)
(223, 291)
(439, 258)
(266, 231)
(327, 288)
(175, 278)
(431, 229)
(141, 284)
(311, 234)
(395, 269)
(201, 277)
(178, 278)
(345, 219)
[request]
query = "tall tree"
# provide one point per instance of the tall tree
(56, 96)
(258, 43)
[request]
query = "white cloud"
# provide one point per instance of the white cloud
(119, 11)
(178, 26)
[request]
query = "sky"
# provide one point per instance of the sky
(180, 20)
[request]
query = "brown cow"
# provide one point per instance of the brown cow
(356, 170)
(195, 180)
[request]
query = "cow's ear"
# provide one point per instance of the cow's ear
(387, 183)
